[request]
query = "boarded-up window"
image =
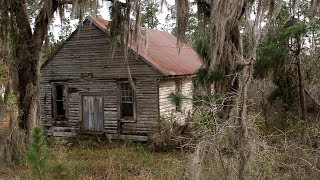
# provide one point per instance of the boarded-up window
(59, 100)
(126, 101)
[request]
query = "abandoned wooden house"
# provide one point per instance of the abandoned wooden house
(86, 87)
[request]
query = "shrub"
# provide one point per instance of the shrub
(38, 155)
(168, 135)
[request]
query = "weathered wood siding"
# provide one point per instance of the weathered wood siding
(167, 108)
(92, 113)
(45, 103)
(85, 63)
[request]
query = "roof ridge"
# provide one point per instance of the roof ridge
(102, 19)
(168, 61)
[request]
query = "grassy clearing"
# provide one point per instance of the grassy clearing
(101, 160)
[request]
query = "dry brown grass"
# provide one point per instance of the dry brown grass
(100, 160)
(4, 124)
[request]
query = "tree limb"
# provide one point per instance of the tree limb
(42, 23)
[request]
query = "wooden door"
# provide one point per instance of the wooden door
(92, 113)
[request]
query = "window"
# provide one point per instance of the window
(179, 93)
(126, 101)
(59, 100)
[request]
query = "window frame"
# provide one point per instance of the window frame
(54, 100)
(132, 118)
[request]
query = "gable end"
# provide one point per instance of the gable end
(88, 19)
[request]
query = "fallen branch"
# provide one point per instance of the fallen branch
(312, 98)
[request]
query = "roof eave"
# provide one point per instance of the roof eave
(179, 76)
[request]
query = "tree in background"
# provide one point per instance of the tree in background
(290, 38)
(279, 62)
(149, 11)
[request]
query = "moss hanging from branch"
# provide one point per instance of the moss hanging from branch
(182, 20)
(137, 10)
(314, 7)
(79, 7)
(225, 18)
(6, 43)
(119, 13)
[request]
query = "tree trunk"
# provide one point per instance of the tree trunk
(301, 79)
(27, 51)
(27, 83)
(26, 59)
(229, 85)
(244, 153)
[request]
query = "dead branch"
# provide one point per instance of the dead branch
(315, 101)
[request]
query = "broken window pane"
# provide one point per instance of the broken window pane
(59, 92)
(59, 100)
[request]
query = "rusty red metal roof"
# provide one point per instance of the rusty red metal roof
(101, 23)
(159, 49)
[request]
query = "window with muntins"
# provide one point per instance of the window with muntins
(127, 101)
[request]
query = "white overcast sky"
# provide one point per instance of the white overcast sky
(105, 14)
